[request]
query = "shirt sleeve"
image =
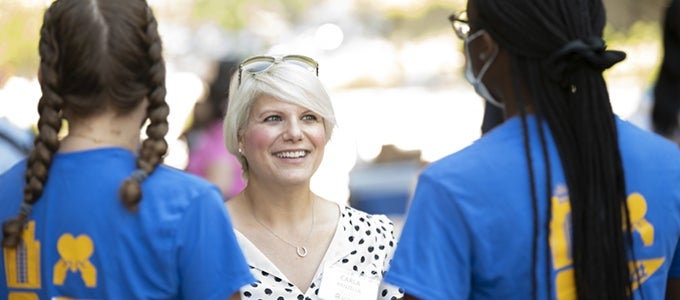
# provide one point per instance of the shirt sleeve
(211, 263)
(674, 271)
(432, 259)
(675, 263)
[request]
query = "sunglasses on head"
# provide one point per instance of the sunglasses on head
(262, 63)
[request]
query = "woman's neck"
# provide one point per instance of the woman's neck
(278, 206)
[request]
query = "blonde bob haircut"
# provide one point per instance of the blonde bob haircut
(284, 81)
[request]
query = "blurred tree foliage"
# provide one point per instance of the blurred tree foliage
(234, 14)
(625, 17)
(423, 21)
(623, 14)
(19, 28)
(630, 22)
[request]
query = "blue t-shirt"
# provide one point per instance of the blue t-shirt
(468, 233)
(81, 242)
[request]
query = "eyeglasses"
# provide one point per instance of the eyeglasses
(262, 63)
(461, 25)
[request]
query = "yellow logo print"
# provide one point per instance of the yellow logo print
(637, 206)
(643, 269)
(560, 242)
(75, 256)
(22, 296)
(22, 264)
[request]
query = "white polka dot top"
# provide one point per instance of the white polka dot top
(362, 244)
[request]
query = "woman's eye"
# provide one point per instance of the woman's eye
(272, 118)
(310, 118)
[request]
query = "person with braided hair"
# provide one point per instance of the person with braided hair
(564, 200)
(99, 215)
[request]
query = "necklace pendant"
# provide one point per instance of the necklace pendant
(301, 251)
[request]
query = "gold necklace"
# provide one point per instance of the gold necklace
(301, 251)
(96, 140)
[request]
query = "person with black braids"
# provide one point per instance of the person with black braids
(564, 200)
(99, 216)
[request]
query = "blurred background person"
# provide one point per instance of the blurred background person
(666, 100)
(298, 244)
(208, 156)
(594, 199)
(659, 108)
(96, 214)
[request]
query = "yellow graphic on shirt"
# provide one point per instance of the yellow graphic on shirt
(637, 207)
(22, 264)
(643, 269)
(560, 229)
(565, 285)
(560, 242)
(75, 254)
(22, 296)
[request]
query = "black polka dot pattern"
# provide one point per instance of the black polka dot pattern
(369, 240)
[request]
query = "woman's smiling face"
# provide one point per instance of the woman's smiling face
(282, 142)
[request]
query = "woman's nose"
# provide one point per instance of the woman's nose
(293, 131)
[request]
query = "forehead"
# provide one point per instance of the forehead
(266, 102)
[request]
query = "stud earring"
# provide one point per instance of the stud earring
(482, 56)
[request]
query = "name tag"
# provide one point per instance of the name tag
(339, 284)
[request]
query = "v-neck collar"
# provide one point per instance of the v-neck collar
(339, 248)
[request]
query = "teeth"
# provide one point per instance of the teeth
(293, 154)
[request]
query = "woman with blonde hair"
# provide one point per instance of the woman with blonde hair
(298, 245)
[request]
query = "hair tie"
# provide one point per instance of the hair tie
(139, 175)
(25, 209)
(591, 51)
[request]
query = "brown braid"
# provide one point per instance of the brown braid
(46, 141)
(154, 147)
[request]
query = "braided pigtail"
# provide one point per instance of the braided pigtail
(154, 147)
(46, 141)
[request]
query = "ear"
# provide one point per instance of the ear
(487, 46)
